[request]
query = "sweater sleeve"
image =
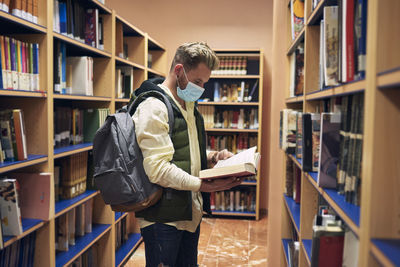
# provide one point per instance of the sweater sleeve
(151, 125)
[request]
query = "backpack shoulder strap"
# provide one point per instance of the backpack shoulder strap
(133, 106)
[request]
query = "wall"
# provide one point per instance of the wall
(222, 24)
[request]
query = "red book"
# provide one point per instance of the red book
(350, 40)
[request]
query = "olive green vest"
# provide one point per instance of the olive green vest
(176, 205)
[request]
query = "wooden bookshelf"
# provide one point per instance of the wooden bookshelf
(375, 222)
(39, 106)
(254, 78)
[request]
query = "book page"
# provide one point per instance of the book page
(242, 157)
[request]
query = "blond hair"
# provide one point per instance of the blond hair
(191, 54)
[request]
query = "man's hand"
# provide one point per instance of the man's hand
(215, 156)
(220, 184)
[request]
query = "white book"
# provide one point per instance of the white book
(321, 56)
(244, 163)
(292, 73)
(10, 211)
(82, 75)
(6, 8)
(331, 45)
(350, 250)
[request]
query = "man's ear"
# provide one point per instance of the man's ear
(178, 69)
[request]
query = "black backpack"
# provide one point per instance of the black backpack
(118, 160)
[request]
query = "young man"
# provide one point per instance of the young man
(171, 227)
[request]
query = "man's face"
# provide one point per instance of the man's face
(199, 76)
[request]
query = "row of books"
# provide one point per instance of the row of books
(25, 9)
(244, 118)
(241, 200)
(72, 75)
(296, 79)
(75, 223)
(70, 175)
(71, 18)
(329, 143)
(13, 145)
(121, 233)
(19, 62)
(293, 181)
(333, 244)
(23, 195)
(88, 259)
(343, 31)
(124, 82)
(233, 92)
(19, 253)
(74, 126)
(233, 142)
(231, 65)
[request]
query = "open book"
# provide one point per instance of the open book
(242, 164)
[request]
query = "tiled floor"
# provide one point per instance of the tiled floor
(225, 242)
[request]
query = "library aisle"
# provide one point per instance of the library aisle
(225, 242)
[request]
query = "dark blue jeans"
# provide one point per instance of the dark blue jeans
(172, 247)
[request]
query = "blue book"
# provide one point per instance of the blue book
(64, 68)
(62, 6)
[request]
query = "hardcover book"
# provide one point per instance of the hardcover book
(330, 148)
(327, 246)
(242, 164)
(10, 211)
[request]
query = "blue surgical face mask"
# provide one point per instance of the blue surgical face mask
(191, 93)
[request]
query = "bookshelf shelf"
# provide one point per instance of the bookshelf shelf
(235, 213)
(232, 112)
(297, 99)
(159, 73)
(294, 211)
(296, 160)
(82, 97)
(154, 45)
(307, 245)
(70, 150)
(122, 61)
(296, 41)
(376, 108)
(24, 25)
(102, 7)
(249, 183)
(348, 212)
(119, 216)
(208, 103)
(65, 205)
(22, 93)
(14, 165)
(389, 79)
(127, 248)
(28, 226)
(122, 100)
(234, 76)
(387, 251)
(285, 243)
(129, 29)
(39, 108)
(316, 14)
(231, 130)
(349, 88)
(81, 244)
(86, 49)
